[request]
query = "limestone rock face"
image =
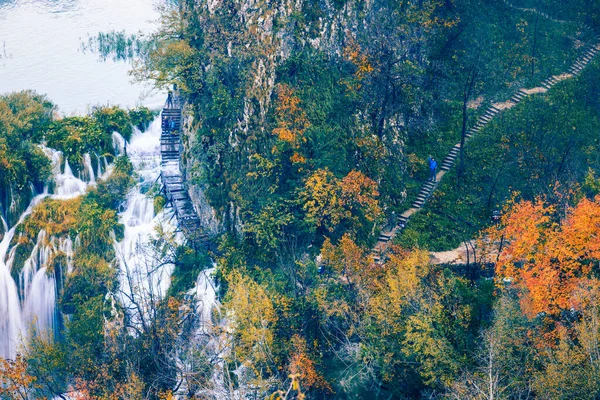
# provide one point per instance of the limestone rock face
(253, 38)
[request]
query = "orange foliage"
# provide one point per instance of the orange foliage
(14, 380)
(550, 260)
(350, 261)
(329, 200)
(359, 188)
(292, 121)
(303, 366)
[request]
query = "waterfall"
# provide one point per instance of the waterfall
(10, 308)
(30, 301)
(87, 162)
(142, 276)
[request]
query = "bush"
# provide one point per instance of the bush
(113, 119)
(142, 117)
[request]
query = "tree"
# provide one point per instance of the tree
(251, 317)
(504, 358)
(15, 382)
(548, 259)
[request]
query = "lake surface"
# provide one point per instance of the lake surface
(41, 49)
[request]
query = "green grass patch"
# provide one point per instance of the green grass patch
(544, 146)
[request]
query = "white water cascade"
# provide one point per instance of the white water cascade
(28, 299)
(30, 302)
(143, 277)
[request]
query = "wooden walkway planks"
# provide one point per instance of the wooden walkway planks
(174, 187)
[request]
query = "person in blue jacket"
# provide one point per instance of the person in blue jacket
(432, 168)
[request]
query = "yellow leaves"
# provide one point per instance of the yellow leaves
(347, 259)
(400, 285)
(15, 383)
(252, 316)
(328, 200)
(354, 54)
(323, 202)
(56, 217)
(285, 134)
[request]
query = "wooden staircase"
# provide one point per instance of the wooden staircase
(174, 187)
(378, 252)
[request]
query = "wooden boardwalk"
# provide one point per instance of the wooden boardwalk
(385, 238)
(174, 186)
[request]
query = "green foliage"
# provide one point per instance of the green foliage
(76, 136)
(113, 119)
(23, 118)
(188, 264)
(112, 191)
(141, 117)
(545, 145)
(159, 203)
(47, 360)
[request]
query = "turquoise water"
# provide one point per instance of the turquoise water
(41, 49)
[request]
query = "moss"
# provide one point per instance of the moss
(22, 253)
(159, 203)
(189, 263)
(113, 119)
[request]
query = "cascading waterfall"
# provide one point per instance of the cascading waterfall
(141, 280)
(10, 307)
(31, 301)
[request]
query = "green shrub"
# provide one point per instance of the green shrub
(113, 119)
(141, 117)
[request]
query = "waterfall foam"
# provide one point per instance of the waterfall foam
(10, 307)
(143, 277)
(31, 301)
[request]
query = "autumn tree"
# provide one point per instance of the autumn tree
(549, 259)
(15, 382)
(330, 201)
(252, 317)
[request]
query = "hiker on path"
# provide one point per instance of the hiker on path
(170, 99)
(172, 125)
(432, 168)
